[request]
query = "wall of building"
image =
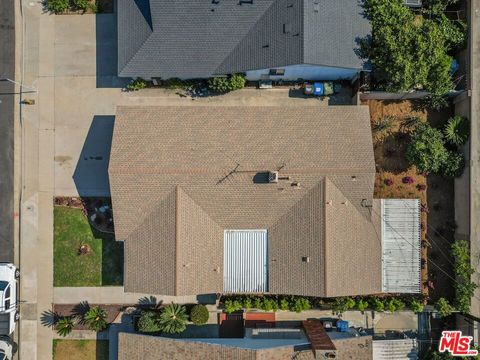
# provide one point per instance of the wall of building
(303, 71)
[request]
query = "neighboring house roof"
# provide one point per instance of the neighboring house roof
(181, 176)
(146, 347)
(197, 39)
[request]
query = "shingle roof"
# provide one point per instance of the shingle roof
(200, 38)
(145, 347)
(180, 176)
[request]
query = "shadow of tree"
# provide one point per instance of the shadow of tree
(49, 318)
(149, 302)
(80, 310)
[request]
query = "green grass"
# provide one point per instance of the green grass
(80, 349)
(102, 266)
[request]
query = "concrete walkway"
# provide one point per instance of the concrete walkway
(111, 295)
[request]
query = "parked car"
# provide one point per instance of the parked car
(6, 348)
(8, 298)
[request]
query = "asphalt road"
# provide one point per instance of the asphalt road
(7, 69)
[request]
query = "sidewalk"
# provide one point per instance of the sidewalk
(36, 237)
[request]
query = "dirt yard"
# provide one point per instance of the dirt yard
(80, 349)
(436, 193)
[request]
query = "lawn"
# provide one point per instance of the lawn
(80, 349)
(102, 265)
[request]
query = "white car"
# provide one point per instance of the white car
(6, 348)
(8, 298)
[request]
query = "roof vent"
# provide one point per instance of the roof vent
(273, 177)
(316, 7)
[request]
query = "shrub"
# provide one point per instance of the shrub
(237, 82)
(58, 6)
(407, 180)
(267, 304)
(64, 325)
(464, 287)
(457, 130)
(426, 150)
(411, 123)
(225, 84)
(343, 304)
(416, 306)
(382, 128)
(388, 182)
(148, 322)
(395, 304)
(96, 319)
(257, 303)
(81, 4)
(199, 314)
(232, 306)
(453, 165)
(247, 303)
(362, 305)
(283, 304)
(299, 304)
(443, 307)
(137, 84)
(377, 304)
(173, 319)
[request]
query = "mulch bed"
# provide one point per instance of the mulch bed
(79, 309)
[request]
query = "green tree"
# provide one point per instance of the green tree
(81, 4)
(443, 307)
(464, 287)
(96, 319)
(225, 84)
(362, 305)
(453, 165)
(65, 325)
(173, 319)
(341, 305)
(457, 130)
(426, 150)
(377, 304)
(148, 322)
(137, 84)
(232, 306)
(409, 51)
(199, 314)
(299, 304)
(283, 304)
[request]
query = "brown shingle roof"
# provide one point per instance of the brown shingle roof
(180, 176)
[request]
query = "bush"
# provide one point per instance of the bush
(395, 304)
(388, 182)
(137, 84)
(81, 4)
(225, 84)
(377, 304)
(343, 304)
(426, 150)
(96, 319)
(416, 306)
(443, 307)
(173, 319)
(453, 165)
(199, 314)
(362, 305)
(64, 325)
(299, 304)
(464, 287)
(231, 306)
(457, 130)
(407, 180)
(247, 303)
(148, 322)
(58, 6)
(284, 304)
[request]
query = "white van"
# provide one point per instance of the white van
(8, 298)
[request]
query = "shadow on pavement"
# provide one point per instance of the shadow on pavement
(91, 172)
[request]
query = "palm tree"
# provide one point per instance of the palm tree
(96, 319)
(173, 319)
(64, 325)
(457, 130)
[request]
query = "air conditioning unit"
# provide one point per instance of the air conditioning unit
(273, 177)
(413, 3)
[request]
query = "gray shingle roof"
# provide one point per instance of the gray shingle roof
(198, 38)
(172, 199)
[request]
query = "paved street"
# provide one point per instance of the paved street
(7, 106)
